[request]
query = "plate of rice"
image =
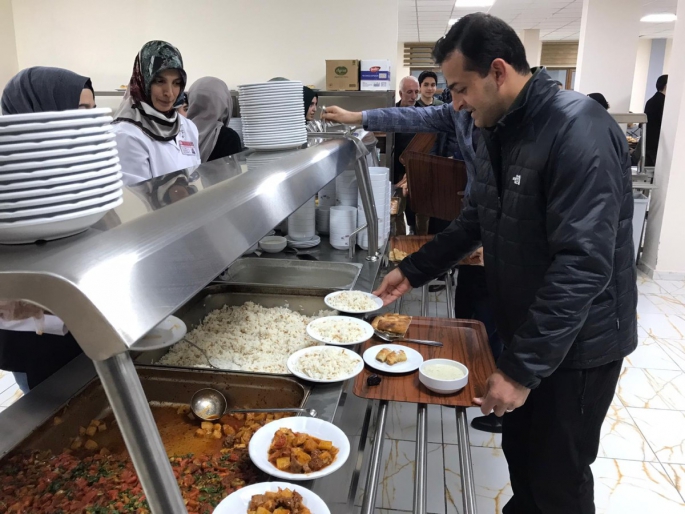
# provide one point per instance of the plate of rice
(353, 302)
(340, 330)
(325, 364)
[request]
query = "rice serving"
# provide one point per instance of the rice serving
(352, 301)
(327, 363)
(247, 338)
(338, 330)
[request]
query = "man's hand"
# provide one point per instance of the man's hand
(394, 285)
(502, 395)
(339, 115)
(402, 184)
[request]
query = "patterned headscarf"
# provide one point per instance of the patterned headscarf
(136, 107)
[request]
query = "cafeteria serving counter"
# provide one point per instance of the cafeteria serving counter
(171, 237)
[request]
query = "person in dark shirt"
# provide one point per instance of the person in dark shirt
(654, 109)
(428, 82)
(311, 102)
(599, 98)
(210, 107)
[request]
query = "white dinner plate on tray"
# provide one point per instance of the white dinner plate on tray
(10, 214)
(323, 351)
(55, 153)
(49, 164)
(35, 146)
(328, 299)
(57, 199)
(168, 332)
(261, 442)
(54, 125)
(413, 362)
(25, 181)
(11, 119)
(239, 501)
(55, 134)
(313, 332)
(54, 227)
(105, 160)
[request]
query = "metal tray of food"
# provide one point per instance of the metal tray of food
(303, 301)
(293, 273)
(166, 390)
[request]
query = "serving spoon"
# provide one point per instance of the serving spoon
(391, 338)
(209, 405)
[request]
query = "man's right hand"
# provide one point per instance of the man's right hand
(338, 115)
(394, 285)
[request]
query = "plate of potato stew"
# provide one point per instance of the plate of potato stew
(299, 448)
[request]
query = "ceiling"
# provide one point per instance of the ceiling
(558, 20)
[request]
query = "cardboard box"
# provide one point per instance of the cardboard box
(375, 75)
(342, 75)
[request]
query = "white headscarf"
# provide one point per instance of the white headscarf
(209, 107)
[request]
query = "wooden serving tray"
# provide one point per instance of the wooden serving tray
(464, 340)
(409, 244)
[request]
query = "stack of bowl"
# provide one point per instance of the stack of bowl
(382, 189)
(59, 173)
(342, 223)
(301, 223)
(346, 189)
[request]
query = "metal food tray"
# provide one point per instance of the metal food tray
(293, 273)
(304, 301)
(165, 388)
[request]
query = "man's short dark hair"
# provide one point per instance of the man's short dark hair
(428, 75)
(661, 83)
(482, 38)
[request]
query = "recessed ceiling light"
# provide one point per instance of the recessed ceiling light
(453, 21)
(659, 18)
(461, 4)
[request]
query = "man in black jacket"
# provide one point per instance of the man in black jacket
(654, 109)
(552, 206)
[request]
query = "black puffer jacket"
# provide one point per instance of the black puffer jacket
(553, 207)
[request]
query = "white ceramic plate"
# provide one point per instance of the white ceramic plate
(34, 146)
(25, 182)
(328, 301)
(239, 501)
(57, 152)
(168, 332)
(56, 134)
(79, 205)
(414, 359)
(55, 227)
(105, 160)
(275, 83)
(275, 127)
(61, 189)
(304, 244)
(273, 140)
(52, 163)
(261, 441)
(57, 199)
(322, 351)
(55, 125)
(314, 333)
(31, 117)
(266, 116)
(269, 147)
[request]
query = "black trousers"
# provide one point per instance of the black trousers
(551, 441)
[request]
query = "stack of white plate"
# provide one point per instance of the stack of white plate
(272, 115)
(343, 223)
(323, 218)
(311, 243)
(381, 187)
(59, 173)
(301, 223)
(346, 188)
(327, 195)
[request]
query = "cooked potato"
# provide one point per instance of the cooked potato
(91, 430)
(325, 445)
(90, 445)
(283, 463)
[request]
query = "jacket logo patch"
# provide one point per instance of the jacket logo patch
(517, 180)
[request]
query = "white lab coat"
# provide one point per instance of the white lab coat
(143, 158)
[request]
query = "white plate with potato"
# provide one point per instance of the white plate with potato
(240, 500)
(260, 445)
(393, 358)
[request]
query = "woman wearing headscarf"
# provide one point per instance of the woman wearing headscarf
(152, 138)
(30, 356)
(311, 102)
(210, 106)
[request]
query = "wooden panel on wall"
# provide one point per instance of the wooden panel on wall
(418, 55)
(558, 54)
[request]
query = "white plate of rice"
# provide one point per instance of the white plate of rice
(340, 330)
(325, 364)
(354, 302)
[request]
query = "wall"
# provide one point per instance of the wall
(638, 96)
(533, 45)
(667, 57)
(657, 62)
(8, 56)
(239, 41)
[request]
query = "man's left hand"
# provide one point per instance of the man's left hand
(502, 395)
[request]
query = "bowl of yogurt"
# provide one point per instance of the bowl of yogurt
(443, 376)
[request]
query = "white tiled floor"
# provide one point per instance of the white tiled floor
(641, 463)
